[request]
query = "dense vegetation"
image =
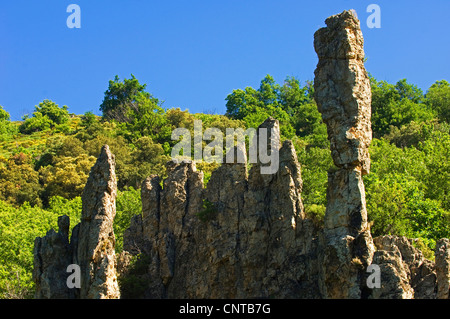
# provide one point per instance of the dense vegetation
(45, 159)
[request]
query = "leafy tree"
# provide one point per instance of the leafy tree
(121, 98)
(315, 162)
(254, 106)
(4, 116)
(400, 189)
(292, 96)
(409, 91)
(56, 114)
(396, 105)
(146, 159)
(438, 98)
(88, 119)
(148, 119)
(67, 176)
(128, 204)
(7, 129)
(19, 182)
(414, 133)
(47, 115)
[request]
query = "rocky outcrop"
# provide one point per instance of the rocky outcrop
(246, 235)
(405, 274)
(95, 250)
(91, 246)
(443, 268)
(52, 254)
(343, 96)
(342, 90)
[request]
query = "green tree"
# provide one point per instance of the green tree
(148, 119)
(396, 105)
(406, 190)
(58, 115)
(122, 97)
(19, 182)
(7, 129)
(47, 115)
(67, 176)
(128, 204)
(254, 106)
(146, 159)
(438, 98)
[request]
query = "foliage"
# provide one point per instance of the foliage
(128, 204)
(19, 226)
(400, 191)
(67, 176)
(397, 105)
(19, 182)
(254, 106)
(438, 98)
(208, 211)
(7, 129)
(134, 281)
(47, 115)
(123, 98)
(315, 163)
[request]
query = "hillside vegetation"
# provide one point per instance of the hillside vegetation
(46, 158)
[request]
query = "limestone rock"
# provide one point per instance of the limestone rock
(95, 251)
(244, 235)
(52, 255)
(343, 96)
(394, 276)
(92, 242)
(342, 90)
(442, 255)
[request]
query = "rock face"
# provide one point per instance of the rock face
(96, 241)
(245, 235)
(52, 254)
(92, 242)
(342, 90)
(443, 268)
(343, 96)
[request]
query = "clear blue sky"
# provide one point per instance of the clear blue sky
(192, 54)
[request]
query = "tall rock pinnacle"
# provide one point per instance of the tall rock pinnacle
(343, 96)
(91, 246)
(96, 243)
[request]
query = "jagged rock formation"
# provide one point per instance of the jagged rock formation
(92, 242)
(405, 273)
(52, 255)
(246, 234)
(343, 96)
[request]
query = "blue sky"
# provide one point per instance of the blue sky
(192, 54)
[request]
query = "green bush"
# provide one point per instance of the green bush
(47, 115)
